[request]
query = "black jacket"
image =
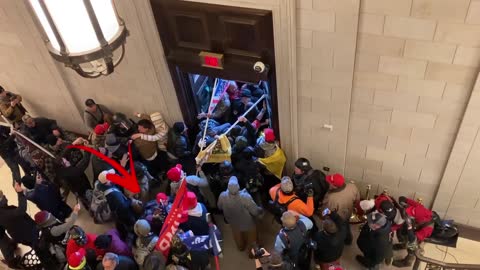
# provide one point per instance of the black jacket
(375, 245)
(75, 177)
(7, 143)
(182, 148)
(314, 178)
(330, 246)
(43, 127)
(19, 225)
(46, 196)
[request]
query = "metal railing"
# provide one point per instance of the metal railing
(432, 264)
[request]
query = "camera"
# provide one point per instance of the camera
(259, 67)
(258, 252)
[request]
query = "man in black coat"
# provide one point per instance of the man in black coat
(9, 152)
(330, 241)
(16, 222)
(39, 128)
(305, 178)
(374, 241)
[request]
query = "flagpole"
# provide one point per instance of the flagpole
(28, 139)
(244, 114)
(208, 114)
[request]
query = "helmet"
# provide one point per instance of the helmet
(78, 235)
(121, 120)
(226, 168)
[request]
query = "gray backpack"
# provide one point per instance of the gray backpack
(144, 246)
(99, 206)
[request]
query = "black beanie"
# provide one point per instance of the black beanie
(51, 139)
(178, 127)
(28, 181)
(303, 164)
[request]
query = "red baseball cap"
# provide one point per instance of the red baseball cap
(336, 180)
(269, 135)
(175, 173)
(161, 196)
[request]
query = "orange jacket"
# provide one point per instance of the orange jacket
(296, 205)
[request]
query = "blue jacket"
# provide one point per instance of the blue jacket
(46, 196)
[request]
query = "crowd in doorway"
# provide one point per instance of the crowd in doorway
(312, 208)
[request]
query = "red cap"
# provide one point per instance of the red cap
(41, 217)
(175, 173)
(77, 259)
(269, 135)
(190, 200)
(100, 129)
(336, 180)
(161, 196)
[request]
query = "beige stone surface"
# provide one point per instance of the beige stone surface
(421, 87)
(304, 4)
(343, 6)
(408, 27)
(442, 10)
(366, 62)
(396, 100)
(371, 23)
(305, 38)
(473, 11)
(375, 80)
(380, 45)
(401, 66)
(456, 33)
(316, 20)
(389, 7)
(450, 73)
(413, 119)
(467, 56)
(435, 52)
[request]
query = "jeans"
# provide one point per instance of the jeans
(13, 164)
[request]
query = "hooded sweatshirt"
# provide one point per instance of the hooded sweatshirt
(238, 206)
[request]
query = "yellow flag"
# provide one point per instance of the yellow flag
(217, 152)
(275, 162)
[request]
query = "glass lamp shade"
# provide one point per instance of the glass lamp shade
(80, 31)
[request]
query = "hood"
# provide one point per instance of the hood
(267, 145)
(197, 211)
(233, 186)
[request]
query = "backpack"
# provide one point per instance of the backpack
(278, 208)
(50, 248)
(99, 206)
(141, 250)
(302, 254)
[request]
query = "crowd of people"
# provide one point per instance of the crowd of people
(241, 188)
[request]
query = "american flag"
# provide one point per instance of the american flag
(214, 243)
(219, 89)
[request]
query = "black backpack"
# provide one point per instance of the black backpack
(278, 208)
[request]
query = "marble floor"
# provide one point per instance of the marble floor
(466, 252)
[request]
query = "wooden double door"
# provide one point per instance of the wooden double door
(243, 36)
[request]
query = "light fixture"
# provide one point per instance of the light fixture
(83, 34)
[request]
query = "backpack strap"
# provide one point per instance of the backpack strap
(101, 115)
(285, 239)
(110, 190)
(290, 201)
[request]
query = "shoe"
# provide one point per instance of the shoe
(405, 262)
(362, 260)
(399, 246)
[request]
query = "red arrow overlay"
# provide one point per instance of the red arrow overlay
(128, 180)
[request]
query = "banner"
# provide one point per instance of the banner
(172, 222)
(217, 152)
(275, 162)
(219, 89)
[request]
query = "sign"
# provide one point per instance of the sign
(211, 60)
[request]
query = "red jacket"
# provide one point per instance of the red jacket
(72, 246)
(421, 215)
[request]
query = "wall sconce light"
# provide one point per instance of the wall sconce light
(83, 34)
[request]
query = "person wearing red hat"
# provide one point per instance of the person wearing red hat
(78, 260)
(98, 135)
(417, 227)
(341, 197)
(78, 240)
(197, 215)
(196, 184)
(266, 145)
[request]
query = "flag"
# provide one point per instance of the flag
(199, 242)
(219, 89)
(275, 162)
(218, 151)
(216, 248)
(172, 222)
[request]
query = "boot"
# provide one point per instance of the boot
(405, 262)
(399, 246)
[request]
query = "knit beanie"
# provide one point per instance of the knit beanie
(102, 177)
(367, 204)
(269, 135)
(42, 217)
(178, 127)
(286, 185)
(175, 173)
(100, 129)
(141, 227)
(161, 197)
(376, 218)
(77, 260)
(289, 219)
(28, 181)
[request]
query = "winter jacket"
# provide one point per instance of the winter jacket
(119, 204)
(375, 245)
(92, 119)
(72, 246)
(330, 246)
(319, 185)
(342, 200)
(238, 207)
(197, 221)
(144, 245)
(43, 127)
(296, 236)
(147, 149)
(296, 205)
(182, 148)
(118, 246)
(19, 225)
(75, 177)
(58, 228)
(248, 172)
(7, 143)
(421, 215)
(14, 113)
(194, 184)
(46, 196)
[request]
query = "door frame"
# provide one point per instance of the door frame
(284, 32)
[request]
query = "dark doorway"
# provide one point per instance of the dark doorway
(242, 36)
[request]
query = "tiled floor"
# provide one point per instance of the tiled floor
(234, 260)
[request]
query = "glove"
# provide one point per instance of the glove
(310, 193)
(202, 143)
